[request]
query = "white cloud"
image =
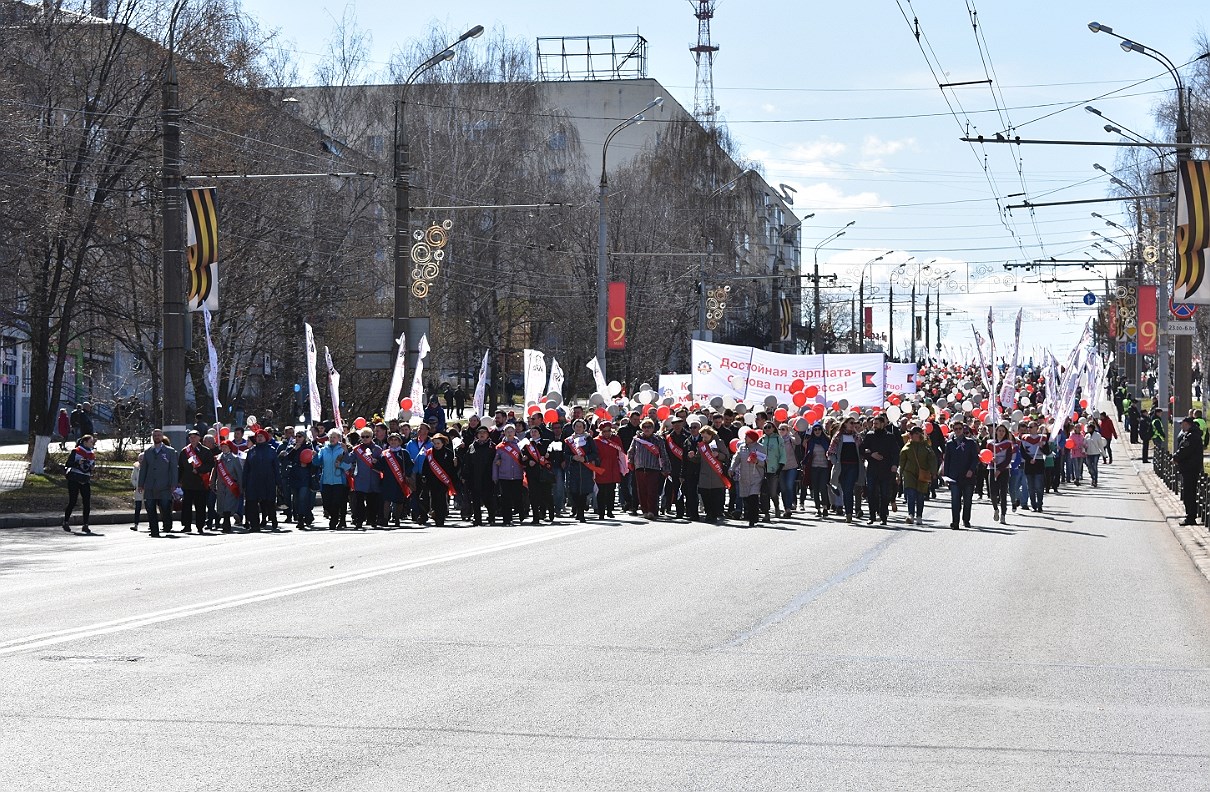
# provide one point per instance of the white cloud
(768, 108)
(874, 146)
(824, 197)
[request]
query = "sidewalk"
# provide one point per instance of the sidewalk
(1194, 538)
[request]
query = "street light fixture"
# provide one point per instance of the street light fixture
(815, 319)
(603, 227)
(861, 297)
(401, 172)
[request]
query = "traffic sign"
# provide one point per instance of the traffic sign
(1181, 310)
(1132, 330)
(1181, 328)
(1132, 348)
(1090, 299)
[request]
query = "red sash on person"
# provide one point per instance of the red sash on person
(650, 446)
(674, 448)
(225, 476)
(397, 471)
(442, 476)
(516, 455)
(196, 461)
(714, 464)
(541, 460)
(365, 457)
(582, 450)
(84, 453)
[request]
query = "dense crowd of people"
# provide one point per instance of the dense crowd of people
(699, 463)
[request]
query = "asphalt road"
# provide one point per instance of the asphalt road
(1068, 650)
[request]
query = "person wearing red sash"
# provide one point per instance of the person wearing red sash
(367, 482)
(81, 463)
(439, 478)
(713, 482)
(540, 473)
(396, 468)
(475, 465)
(418, 449)
(649, 459)
(583, 461)
(612, 468)
(508, 472)
(227, 483)
(195, 464)
(1002, 447)
(748, 474)
(673, 498)
(691, 470)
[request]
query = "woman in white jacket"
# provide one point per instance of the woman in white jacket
(1094, 446)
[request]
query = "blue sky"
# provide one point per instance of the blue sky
(838, 100)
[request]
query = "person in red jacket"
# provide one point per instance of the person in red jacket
(1110, 433)
(612, 468)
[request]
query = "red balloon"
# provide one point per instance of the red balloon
(945, 430)
(797, 385)
(958, 395)
(876, 410)
(662, 412)
(734, 445)
(646, 409)
(929, 427)
(550, 416)
(780, 414)
(222, 433)
(799, 399)
(812, 391)
(1071, 442)
(405, 404)
(1083, 404)
(1029, 388)
(531, 409)
(985, 456)
(305, 456)
(896, 399)
(603, 414)
(359, 423)
(835, 405)
(1075, 416)
(696, 407)
(983, 404)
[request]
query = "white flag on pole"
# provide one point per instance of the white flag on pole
(312, 381)
(598, 377)
(212, 363)
(481, 387)
(334, 386)
(556, 377)
(417, 395)
(401, 359)
(535, 375)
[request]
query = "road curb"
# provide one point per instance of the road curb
(1195, 539)
(53, 520)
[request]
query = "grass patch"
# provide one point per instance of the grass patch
(48, 492)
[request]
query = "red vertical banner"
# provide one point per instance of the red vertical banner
(869, 321)
(1148, 327)
(1112, 320)
(616, 315)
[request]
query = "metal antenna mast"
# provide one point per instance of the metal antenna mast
(704, 108)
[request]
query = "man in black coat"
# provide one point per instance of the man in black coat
(959, 464)
(1188, 457)
(880, 447)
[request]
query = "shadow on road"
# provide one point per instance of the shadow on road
(24, 549)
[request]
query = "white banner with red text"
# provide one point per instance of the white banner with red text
(750, 375)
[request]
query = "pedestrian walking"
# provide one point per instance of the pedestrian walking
(959, 464)
(748, 472)
(917, 469)
(81, 463)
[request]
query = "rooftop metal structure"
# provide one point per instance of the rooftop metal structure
(611, 57)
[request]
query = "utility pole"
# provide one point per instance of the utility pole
(890, 322)
(927, 340)
(172, 216)
(913, 326)
(861, 313)
(937, 314)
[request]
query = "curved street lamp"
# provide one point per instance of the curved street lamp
(815, 319)
(603, 227)
(401, 172)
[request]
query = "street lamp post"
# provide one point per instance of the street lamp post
(861, 298)
(815, 319)
(1184, 344)
(603, 228)
(401, 171)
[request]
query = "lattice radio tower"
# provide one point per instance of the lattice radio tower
(704, 108)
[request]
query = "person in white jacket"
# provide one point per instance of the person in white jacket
(1094, 446)
(138, 496)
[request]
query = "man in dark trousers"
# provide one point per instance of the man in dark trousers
(1155, 432)
(880, 448)
(960, 462)
(1133, 419)
(1188, 457)
(195, 464)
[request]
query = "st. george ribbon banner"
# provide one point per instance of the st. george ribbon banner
(750, 375)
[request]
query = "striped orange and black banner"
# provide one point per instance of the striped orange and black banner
(202, 252)
(786, 329)
(1192, 232)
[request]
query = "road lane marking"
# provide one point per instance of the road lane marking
(807, 597)
(143, 620)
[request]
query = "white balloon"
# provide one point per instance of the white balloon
(968, 405)
(615, 388)
(646, 386)
(750, 418)
(1024, 401)
(893, 413)
(645, 396)
(907, 408)
(597, 399)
